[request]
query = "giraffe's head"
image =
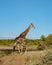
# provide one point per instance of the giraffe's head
(32, 26)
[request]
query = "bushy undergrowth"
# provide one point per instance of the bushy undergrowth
(43, 41)
(7, 42)
(3, 53)
(38, 58)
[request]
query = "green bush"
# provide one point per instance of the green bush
(6, 42)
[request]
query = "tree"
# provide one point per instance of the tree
(42, 38)
(49, 39)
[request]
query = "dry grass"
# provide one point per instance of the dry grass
(38, 58)
(43, 57)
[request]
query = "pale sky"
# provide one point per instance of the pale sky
(17, 15)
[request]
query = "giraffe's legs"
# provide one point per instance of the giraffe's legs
(19, 48)
(24, 47)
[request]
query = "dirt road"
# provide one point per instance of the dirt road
(12, 59)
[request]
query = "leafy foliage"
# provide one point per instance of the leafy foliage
(42, 38)
(42, 41)
(6, 42)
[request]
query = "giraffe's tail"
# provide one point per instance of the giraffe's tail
(14, 47)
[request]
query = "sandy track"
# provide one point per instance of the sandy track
(12, 59)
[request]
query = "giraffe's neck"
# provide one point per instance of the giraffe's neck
(23, 34)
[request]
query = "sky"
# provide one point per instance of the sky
(17, 15)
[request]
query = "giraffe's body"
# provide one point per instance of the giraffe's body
(22, 37)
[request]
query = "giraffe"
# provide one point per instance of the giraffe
(20, 40)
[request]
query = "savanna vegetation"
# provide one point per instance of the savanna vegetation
(43, 57)
(40, 42)
(7, 42)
